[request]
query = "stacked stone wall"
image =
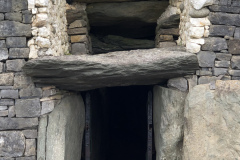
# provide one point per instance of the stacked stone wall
(27, 30)
(78, 29)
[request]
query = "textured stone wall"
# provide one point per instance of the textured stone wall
(28, 29)
(78, 29)
(49, 28)
(167, 31)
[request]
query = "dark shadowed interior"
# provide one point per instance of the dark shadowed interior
(119, 123)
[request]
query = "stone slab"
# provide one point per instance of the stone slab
(18, 123)
(28, 107)
(13, 29)
(12, 144)
(168, 120)
(85, 72)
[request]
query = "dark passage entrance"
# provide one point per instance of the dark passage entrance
(119, 123)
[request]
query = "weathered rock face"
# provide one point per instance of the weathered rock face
(65, 129)
(12, 144)
(136, 67)
(212, 122)
(168, 119)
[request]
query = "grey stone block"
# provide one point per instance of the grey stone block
(235, 73)
(1, 16)
(11, 112)
(22, 81)
(4, 113)
(27, 17)
(30, 92)
(220, 71)
(16, 42)
(6, 102)
(204, 12)
(11, 94)
(48, 106)
(203, 73)
(178, 83)
(49, 92)
(13, 143)
(28, 107)
(228, 9)
(3, 54)
(15, 65)
(1, 67)
(6, 158)
(234, 46)
(26, 158)
(19, 5)
(6, 87)
(222, 30)
(223, 64)
(13, 29)
(223, 56)
(3, 44)
(79, 49)
(15, 16)
(235, 78)
(207, 79)
(5, 6)
(206, 59)
(3, 108)
(214, 44)
(42, 136)
(6, 79)
(235, 62)
(224, 19)
(18, 123)
(31, 134)
(19, 52)
(30, 149)
(237, 33)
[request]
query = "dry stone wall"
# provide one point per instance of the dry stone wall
(28, 29)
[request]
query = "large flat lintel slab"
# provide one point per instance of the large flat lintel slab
(136, 67)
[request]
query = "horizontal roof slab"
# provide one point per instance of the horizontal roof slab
(123, 68)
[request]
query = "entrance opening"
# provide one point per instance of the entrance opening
(119, 128)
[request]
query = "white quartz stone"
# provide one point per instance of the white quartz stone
(41, 3)
(193, 47)
(196, 32)
(199, 22)
(43, 42)
(199, 4)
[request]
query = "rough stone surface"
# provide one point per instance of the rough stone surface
(3, 54)
(65, 129)
(224, 64)
(22, 81)
(6, 79)
(235, 62)
(16, 42)
(28, 107)
(79, 49)
(4, 113)
(30, 147)
(224, 19)
(223, 56)
(42, 132)
(11, 29)
(30, 92)
(12, 144)
(19, 52)
(170, 18)
(6, 102)
(204, 12)
(47, 106)
(178, 83)
(2, 44)
(13, 16)
(207, 79)
(235, 73)
(199, 4)
(214, 44)
(206, 59)
(212, 116)
(234, 46)
(18, 123)
(15, 65)
(11, 94)
(168, 120)
(26, 158)
(30, 134)
(236, 34)
(11, 112)
(93, 71)
(220, 71)
(222, 30)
